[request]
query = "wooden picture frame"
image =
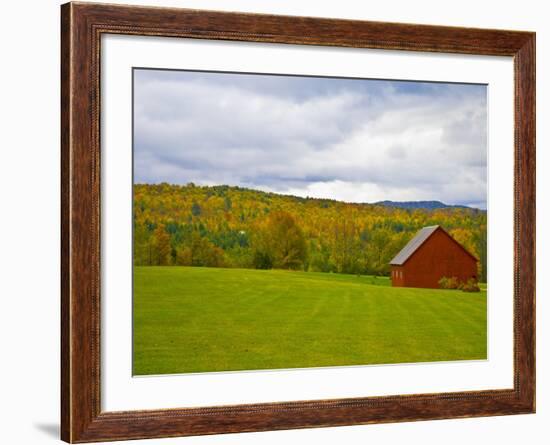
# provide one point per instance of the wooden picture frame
(82, 25)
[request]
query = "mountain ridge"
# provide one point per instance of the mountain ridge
(426, 205)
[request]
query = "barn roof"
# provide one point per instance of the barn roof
(411, 247)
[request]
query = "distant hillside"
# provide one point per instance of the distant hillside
(429, 205)
(225, 226)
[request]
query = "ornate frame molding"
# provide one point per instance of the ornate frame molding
(82, 25)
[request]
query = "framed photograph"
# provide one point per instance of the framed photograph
(274, 222)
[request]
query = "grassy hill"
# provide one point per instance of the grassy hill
(233, 227)
(195, 319)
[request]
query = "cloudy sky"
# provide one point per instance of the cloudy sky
(353, 140)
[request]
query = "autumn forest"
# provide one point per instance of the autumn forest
(233, 227)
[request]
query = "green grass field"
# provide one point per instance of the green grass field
(191, 319)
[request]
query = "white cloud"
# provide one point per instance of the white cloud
(349, 140)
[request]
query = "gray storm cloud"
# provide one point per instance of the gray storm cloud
(348, 139)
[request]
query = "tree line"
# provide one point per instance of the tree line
(223, 226)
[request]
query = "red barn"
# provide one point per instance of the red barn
(429, 256)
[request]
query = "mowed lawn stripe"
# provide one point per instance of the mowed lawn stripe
(204, 319)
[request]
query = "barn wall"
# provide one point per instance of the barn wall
(397, 276)
(438, 257)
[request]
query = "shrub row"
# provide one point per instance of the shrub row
(454, 283)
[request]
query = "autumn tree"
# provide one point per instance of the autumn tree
(200, 252)
(281, 243)
(142, 246)
(345, 247)
(161, 247)
(480, 240)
